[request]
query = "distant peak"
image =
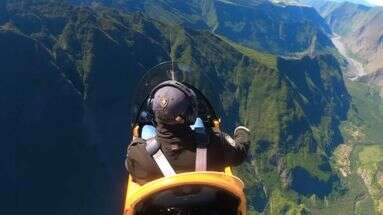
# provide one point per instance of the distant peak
(288, 2)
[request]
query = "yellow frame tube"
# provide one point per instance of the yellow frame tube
(223, 180)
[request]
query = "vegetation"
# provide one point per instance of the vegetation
(370, 156)
(294, 29)
(267, 59)
(360, 164)
(92, 58)
(366, 115)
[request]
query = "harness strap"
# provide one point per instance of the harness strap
(153, 148)
(201, 153)
(201, 161)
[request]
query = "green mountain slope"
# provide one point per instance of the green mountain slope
(260, 25)
(43, 142)
(79, 100)
(360, 160)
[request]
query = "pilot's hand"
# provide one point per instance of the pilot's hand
(242, 135)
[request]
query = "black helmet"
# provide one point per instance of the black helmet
(171, 99)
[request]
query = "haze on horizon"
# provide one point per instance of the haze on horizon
(376, 2)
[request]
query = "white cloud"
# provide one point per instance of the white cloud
(376, 2)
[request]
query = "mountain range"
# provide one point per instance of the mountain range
(364, 36)
(70, 69)
(358, 28)
(258, 24)
(361, 29)
(358, 2)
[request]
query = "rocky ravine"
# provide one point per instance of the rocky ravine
(354, 68)
(355, 71)
(360, 30)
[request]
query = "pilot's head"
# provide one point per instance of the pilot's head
(174, 103)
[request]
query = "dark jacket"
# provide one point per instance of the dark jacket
(179, 146)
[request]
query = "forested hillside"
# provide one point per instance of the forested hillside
(258, 24)
(69, 73)
(359, 160)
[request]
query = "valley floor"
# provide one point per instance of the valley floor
(354, 68)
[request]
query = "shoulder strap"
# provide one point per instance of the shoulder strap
(201, 152)
(153, 149)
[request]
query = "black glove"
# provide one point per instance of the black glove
(242, 135)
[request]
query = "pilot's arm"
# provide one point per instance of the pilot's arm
(235, 148)
(140, 165)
